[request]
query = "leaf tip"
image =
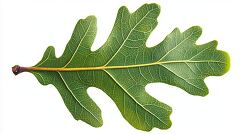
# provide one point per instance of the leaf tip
(225, 58)
(227, 61)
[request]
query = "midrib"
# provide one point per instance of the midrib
(60, 69)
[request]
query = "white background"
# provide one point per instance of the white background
(27, 27)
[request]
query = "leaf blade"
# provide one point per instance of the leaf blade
(123, 66)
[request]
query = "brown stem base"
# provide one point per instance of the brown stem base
(17, 69)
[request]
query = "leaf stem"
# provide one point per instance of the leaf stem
(17, 69)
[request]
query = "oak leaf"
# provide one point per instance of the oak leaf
(124, 65)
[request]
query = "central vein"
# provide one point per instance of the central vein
(117, 67)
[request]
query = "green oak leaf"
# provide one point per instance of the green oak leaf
(123, 66)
